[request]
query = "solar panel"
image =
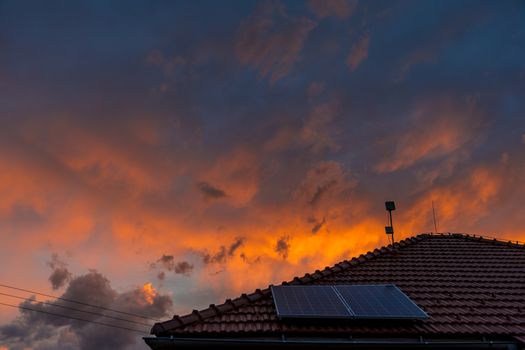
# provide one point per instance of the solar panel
(308, 302)
(379, 302)
(345, 301)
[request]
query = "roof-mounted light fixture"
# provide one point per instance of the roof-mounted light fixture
(390, 206)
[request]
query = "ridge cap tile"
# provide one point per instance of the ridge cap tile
(345, 264)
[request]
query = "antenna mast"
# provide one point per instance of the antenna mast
(390, 206)
(434, 215)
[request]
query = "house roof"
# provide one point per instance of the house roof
(469, 286)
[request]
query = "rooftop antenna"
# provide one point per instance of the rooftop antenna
(434, 214)
(390, 206)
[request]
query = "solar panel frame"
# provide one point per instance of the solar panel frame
(373, 302)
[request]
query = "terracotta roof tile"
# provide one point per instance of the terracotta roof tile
(469, 285)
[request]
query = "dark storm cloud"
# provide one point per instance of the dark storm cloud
(283, 246)
(235, 245)
(60, 274)
(183, 267)
(317, 224)
(319, 192)
(224, 252)
(45, 331)
(168, 262)
(59, 277)
(218, 257)
(161, 276)
(210, 192)
(325, 180)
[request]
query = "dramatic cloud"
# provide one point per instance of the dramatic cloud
(183, 267)
(60, 274)
(463, 201)
(236, 173)
(161, 276)
(223, 253)
(253, 142)
(42, 330)
(168, 262)
(358, 52)
(339, 8)
(447, 129)
(316, 132)
(271, 40)
(324, 182)
(283, 246)
(210, 192)
(317, 224)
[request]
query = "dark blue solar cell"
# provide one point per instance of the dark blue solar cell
(308, 302)
(379, 302)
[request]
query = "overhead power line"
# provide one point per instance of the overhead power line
(78, 302)
(75, 318)
(74, 309)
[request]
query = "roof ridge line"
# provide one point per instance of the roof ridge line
(246, 299)
(481, 238)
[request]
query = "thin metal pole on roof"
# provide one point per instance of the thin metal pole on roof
(434, 215)
(391, 225)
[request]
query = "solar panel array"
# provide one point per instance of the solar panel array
(345, 301)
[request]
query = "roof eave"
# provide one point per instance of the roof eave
(164, 343)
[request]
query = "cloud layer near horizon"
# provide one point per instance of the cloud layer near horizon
(260, 144)
(86, 327)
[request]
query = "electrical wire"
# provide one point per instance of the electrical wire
(74, 318)
(78, 302)
(74, 309)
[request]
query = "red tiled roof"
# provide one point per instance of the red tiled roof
(469, 286)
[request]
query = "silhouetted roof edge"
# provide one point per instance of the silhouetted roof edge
(316, 343)
(160, 328)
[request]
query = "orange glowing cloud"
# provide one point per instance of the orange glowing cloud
(148, 292)
(446, 133)
(236, 174)
(460, 205)
(240, 211)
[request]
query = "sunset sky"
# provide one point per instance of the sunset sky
(171, 154)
